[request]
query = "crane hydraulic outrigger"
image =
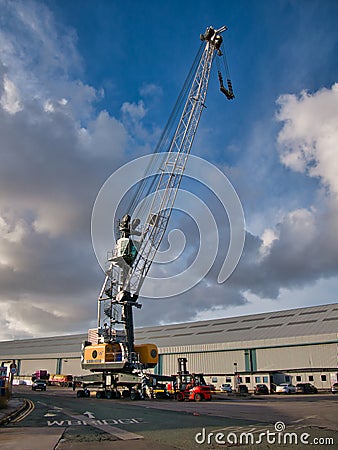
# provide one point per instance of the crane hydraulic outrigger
(111, 350)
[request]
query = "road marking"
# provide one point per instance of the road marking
(305, 418)
(25, 413)
(61, 422)
(81, 419)
(89, 414)
(101, 424)
(49, 414)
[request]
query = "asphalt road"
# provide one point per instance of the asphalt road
(82, 423)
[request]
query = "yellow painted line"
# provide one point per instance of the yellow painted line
(25, 413)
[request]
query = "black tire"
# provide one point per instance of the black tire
(180, 396)
(134, 395)
(109, 395)
(99, 394)
(80, 393)
(126, 393)
(198, 397)
(117, 394)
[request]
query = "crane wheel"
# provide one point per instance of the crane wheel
(134, 395)
(126, 393)
(198, 398)
(80, 393)
(99, 394)
(109, 395)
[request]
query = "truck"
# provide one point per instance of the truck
(40, 375)
(60, 380)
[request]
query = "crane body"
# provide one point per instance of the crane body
(111, 350)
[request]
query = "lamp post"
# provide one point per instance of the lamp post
(235, 376)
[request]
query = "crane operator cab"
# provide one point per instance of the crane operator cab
(125, 251)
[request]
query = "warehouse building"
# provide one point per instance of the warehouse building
(298, 345)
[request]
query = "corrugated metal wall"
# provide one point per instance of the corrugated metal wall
(255, 360)
(207, 362)
(316, 356)
(28, 366)
(71, 367)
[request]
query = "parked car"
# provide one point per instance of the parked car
(242, 389)
(261, 389)
(212, 387)
(334, 388)
(306, 388)
(39, 385)
(285, 388)
(226, 387)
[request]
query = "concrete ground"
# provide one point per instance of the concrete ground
(33, 438)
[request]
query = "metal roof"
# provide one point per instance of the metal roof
(315, 320)
(309, 321)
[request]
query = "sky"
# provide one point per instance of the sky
(86, 87)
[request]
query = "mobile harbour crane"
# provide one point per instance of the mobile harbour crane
(111, 352)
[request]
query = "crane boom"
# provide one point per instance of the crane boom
(174, 165)
(135, 250)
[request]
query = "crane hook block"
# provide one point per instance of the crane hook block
(227, 92)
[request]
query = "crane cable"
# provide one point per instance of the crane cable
(148, 182)
(229, 91)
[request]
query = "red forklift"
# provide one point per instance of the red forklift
(190, 386)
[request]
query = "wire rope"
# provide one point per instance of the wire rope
(146, 186)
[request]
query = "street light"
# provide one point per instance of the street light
(235, 376)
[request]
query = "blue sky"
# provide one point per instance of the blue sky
(87, 86)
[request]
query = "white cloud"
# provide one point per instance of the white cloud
(151, 90)
(103, 135)
(303, 246)
(268, 237)
(135, 111)
(10, 99)
(308, 140)
(12, 233)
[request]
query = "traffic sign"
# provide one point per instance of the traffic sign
(13, 370)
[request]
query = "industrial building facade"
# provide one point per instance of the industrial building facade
(298, 345)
